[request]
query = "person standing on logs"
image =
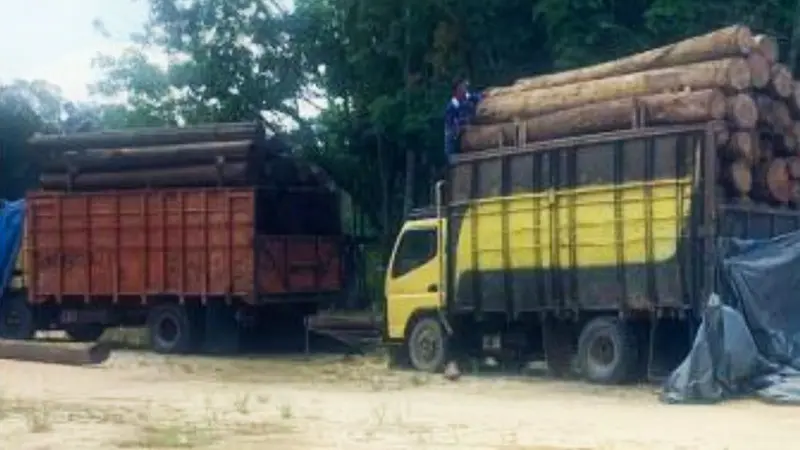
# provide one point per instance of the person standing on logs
(458, 113)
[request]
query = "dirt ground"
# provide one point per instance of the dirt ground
(140, 400)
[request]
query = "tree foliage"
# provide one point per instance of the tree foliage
(384, 69)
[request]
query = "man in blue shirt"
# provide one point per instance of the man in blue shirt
(458, 113)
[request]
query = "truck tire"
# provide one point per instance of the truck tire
(16, 318)
(607, 351)
(171, 329)
(427, 345)
(89, 332)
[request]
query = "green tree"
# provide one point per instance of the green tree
(26, 107)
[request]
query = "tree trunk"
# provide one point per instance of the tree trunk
(684, 107)
(142, 157)
(726, 42)
(772, 181)
(781, 82)
(73, 354)
(731, 73)
(137, 137)
(206, 175)
(768, 47)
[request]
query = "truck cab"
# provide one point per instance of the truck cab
(415, 290)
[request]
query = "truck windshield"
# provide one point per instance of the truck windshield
(416, 248)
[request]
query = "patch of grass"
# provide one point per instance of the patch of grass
(39, 419)
(242, 404)
(286, 411)
(173, 436)
(126, 338)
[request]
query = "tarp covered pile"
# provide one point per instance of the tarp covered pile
(12, 217)
(749, 341)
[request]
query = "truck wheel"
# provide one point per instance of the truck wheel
(89, 332)
(607, 351)
(171, 329)
(16, 318)
(427, 345)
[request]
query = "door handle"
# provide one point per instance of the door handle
(433, 288)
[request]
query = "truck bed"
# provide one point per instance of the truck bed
(134, 245)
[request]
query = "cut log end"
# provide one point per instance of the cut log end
(759, 70)
(742, 111)
(781, 81)
(767, 46)
(739, 178)
(742, 147)
(739, 74)
(744, 38)
(774, 181)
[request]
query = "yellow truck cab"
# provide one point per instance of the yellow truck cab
(593, 253)
(414, 290)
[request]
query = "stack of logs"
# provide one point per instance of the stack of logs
(729, 78)
(206, 155)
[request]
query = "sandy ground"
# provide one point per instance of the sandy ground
(140, 400)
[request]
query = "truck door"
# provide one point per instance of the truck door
(414, 277)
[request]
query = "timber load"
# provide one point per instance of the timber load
(730, 78)
(221, 154)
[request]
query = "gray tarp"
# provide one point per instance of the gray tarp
(749, 340)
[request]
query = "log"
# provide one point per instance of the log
(732, 73)
(772, 182)
(760, 70)
(738, 178)
(205, 175)
(781, 82)
(726, 42)
(137, 137)
(108, 160)
(767, 46)
(742, 146)
(684, 107)
(742, 111)
(73, 354)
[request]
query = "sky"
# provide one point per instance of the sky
(55, 40)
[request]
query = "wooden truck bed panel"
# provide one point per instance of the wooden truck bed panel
(298, 264)
(189, 242)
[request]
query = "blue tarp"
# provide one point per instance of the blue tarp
(749, 341)
(12, 217)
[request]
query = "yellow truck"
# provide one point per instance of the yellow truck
(594, 253)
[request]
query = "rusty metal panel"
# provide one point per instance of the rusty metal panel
(298, 264)
(184, 242)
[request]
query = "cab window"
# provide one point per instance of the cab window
(416, 248)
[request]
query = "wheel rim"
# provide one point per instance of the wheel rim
(602, 351)
(427, 345)
(168, 331)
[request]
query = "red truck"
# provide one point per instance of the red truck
(198, 265)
